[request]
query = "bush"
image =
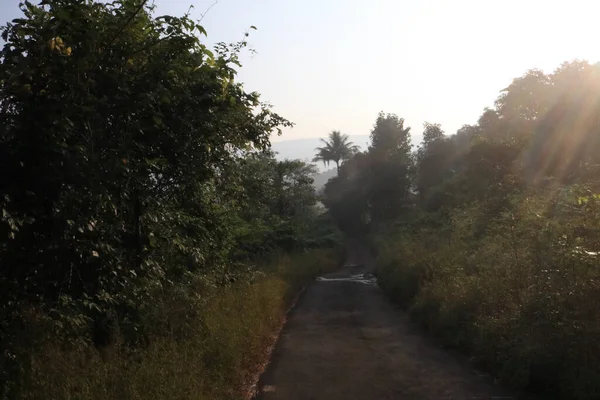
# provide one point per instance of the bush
(142, 191)
(519, 295)
(203, 345)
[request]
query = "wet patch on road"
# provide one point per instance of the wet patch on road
(365, 279)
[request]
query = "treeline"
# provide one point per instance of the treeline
(490, 236)
(141, 208)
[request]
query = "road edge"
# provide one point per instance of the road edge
(254, 384)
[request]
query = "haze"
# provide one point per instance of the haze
(335, 64)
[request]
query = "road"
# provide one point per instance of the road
(345, 341)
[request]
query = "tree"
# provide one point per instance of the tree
(525, 100)
(432, 162)
(374, 186)
(432, 133)
(389, 137)
(391, 167)
(346, 195)
(337, 148)
(121, 131)
(566, 140)
(276, 202)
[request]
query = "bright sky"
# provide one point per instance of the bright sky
(334, 64)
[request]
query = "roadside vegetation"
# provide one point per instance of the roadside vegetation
(489, 236)
(150, 242)
(203, 342)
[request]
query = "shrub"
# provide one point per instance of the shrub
(202, 345)
(520, 295)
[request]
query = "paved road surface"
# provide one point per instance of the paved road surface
(345, 341)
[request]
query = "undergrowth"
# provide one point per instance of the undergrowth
(207, 348)
(519, 292)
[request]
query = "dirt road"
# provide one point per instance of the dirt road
(345, 341)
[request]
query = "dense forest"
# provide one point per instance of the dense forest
(490, 236)
(149, 240)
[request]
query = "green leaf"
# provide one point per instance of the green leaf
(209, 53)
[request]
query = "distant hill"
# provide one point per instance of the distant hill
(321, 179)
(304, 149)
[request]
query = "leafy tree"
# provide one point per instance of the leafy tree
(566, 140)
(122, 133)
(503, 234)
(432, 163)
(525, 100)
(432, 133)
(389, 137)
(374, 185)
(276, 201)
(337, 148)
(346, 196)
(390, 167)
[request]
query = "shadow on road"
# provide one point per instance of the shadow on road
(344, 341)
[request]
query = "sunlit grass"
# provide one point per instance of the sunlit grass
(519, 298)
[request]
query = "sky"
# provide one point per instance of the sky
(334, 64)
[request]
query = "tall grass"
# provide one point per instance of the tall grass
(519, 292)
(207, 348)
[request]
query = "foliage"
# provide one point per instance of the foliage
(337, 148)
(139, 166)
(276, 205)
(519, 297)
(374, 185)
(432, 163)
(497, 250)
(206, 343)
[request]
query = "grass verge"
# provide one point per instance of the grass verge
(204, 349)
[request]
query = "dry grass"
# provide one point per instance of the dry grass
(210, 356)
(518, 298)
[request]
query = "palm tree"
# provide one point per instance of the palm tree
(337, 149)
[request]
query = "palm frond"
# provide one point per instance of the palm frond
(337, 147)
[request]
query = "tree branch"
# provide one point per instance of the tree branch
(137, 11)
(207, 10)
